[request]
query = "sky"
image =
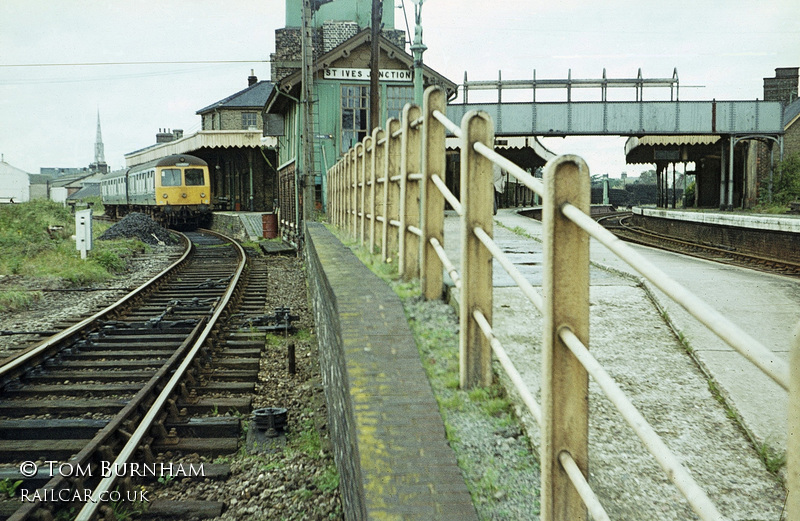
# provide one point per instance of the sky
(167, 59)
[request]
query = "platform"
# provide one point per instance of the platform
(630, 336)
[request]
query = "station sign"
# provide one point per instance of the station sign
(354, 74)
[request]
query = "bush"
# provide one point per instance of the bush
(785, 183)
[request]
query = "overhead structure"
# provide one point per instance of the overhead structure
(616, 118)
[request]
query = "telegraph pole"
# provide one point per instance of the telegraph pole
(308, 113)
(417, 48)
(375, 52)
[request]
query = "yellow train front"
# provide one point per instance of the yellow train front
(174, 190)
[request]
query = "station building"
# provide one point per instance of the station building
(341, 89)
(241, 163)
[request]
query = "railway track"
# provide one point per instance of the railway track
(138, 385)
(619, 224)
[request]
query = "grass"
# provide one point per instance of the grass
(15, 300)
(36, 241)
(306, 440)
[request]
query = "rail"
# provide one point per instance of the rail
(388, 192)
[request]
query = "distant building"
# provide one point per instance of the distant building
(18, 186)
(99, 165)
(782, 87)
(14, 184)
(240, 111)
(341, 38)
(240, 162)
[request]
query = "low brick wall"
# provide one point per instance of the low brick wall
(772, 244)
(390, 446)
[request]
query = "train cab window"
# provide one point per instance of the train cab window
(171, 177)
(194, 177)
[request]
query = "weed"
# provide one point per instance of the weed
(67, 514)
(328, 480)
(306, 440)
(166, 480)
(773, 459)
(215, 410)
(9, 487)
(16, 300)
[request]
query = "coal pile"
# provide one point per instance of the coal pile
(139, 226)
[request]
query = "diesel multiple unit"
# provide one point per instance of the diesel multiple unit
(174, 190)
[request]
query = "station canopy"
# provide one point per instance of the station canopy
(669, 149)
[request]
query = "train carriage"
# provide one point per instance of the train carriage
(174, 190)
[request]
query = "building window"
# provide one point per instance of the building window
(355, 114)
(396, 99)
(249, 119)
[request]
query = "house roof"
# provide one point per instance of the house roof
(89, 189)
(790, 113)
(293, 81)
(8, 170)
(253, 96)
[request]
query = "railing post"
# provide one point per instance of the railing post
(366, 163)
(477, 196)
(408, 249)
(392, 195)
(793, 437)
(565, 383)
(376, 160)
(352, 184)
(431, 200)
(358, 157)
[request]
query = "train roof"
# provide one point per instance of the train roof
(173, 160)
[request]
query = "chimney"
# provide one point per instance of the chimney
(252, 80)
(177, 133)
(164, 136)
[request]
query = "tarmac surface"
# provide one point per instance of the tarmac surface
(636, 328)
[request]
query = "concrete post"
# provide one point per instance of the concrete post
(376, 160)
(364, 164)
(392, 161)
(431, 200)
(352, 185)
(410, 144)
(477, 201)
(565, 383)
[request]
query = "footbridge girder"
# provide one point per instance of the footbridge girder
(629, 118)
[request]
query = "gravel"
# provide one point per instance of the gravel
(298, 483)
(59, 301)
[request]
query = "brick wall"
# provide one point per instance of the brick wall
(335, 32)
(765, 243)
(334, 376)
(288, 44)
(782, 87)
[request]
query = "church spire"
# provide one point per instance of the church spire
(99, 164)
(99, 154)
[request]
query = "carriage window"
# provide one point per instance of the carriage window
(171, 177)
(194, 177)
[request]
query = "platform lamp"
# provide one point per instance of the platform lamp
(417, 48)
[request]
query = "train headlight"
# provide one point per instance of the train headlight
(164, 196)
(183, 195)
(202, 194)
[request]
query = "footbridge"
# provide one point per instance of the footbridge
(731, 121)
(616, 118)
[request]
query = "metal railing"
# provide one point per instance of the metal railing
(389, 192)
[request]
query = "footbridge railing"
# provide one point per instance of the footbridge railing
(389, 192)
